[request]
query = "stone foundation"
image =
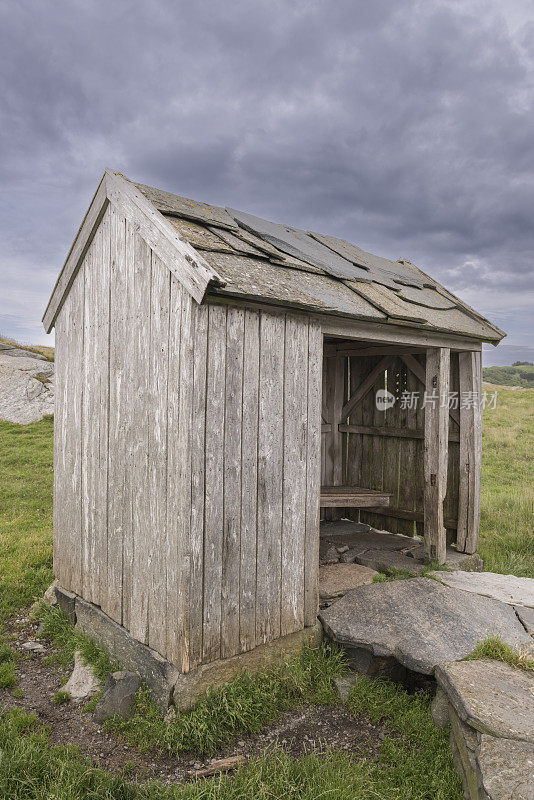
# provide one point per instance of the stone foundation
(165, 683)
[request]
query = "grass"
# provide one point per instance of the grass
(26, 466)
(494, 647)
(43, 350)
(507, 516)
(61, 697)
(415, 763)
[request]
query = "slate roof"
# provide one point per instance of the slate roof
(269, 262)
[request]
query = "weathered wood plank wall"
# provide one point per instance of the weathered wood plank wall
(187, 460)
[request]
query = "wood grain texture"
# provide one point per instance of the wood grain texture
(436, 452)
(249, 481)
(214, 487)
(470, 465)
(294, 497)
(231, 539)
(270, 477)
(313, 474)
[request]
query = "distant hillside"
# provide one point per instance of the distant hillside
(521, 373)
(43, 350)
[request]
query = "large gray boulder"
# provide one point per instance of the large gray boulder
(26, 389)
(419, 622)
(119, 695)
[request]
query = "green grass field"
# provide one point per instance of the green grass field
(414, 763)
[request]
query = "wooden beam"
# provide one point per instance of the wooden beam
(416, 516)
(384, 332)
(365, 387)
(401, 433)
(419, 372)
(436, 452)
(363, 349)
(76, 254)
(470, 453)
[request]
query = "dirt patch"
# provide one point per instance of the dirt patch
(304, 730)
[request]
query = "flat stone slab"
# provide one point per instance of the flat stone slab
(506, 588)
(82, 683)
(420, 622)
(506, 769)
(491, 697)
(384, 560)
(337, 579)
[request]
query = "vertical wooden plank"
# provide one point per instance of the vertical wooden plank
(470, 451)
(157, 452)
(235, 324)
(436, 450)
(249, 480)
(270, 459)
(313, 474)
(214, 490)
(119, 516)
(141, 413)
(354, 440)
(295, 412)
(95, 411)
(174, 544)
(128, 425)
(198, 434)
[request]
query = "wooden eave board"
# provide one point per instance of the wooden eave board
(184, 207)
(252, 279)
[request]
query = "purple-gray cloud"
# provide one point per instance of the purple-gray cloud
(405, 127)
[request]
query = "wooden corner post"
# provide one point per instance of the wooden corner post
(470, 451)
(436, 450)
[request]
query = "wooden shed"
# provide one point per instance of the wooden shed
(216, 393)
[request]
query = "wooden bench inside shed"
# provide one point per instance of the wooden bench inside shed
(352, 497)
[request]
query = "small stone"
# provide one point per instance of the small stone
(342, 549)
(331, 556)
(383, 560)
(83, 683)
(219, 765)
(49, 596)
(345, 685)
(349, 557)
(119, 695)
(34, 647)
(170, 716)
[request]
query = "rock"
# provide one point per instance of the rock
(506, 588)
(49, 596)
(345, 685)
(384, 560)
(331, 556)
(34, 647)
(506, 769)
(491, 697)
(468, 562)
(67, 603)
(439, 709)
(526, 615)
(83, 683)
(419, 622)
(26, 388)
(338, 579)
(349, 557)
(119, 695)
(342, 549)
(9, 350)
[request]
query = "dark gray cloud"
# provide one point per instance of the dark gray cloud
(406, 127)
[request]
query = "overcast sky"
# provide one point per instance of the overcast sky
(406, 127)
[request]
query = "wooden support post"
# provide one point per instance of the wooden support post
(334, 386)
(436, 450)
(470, 451)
